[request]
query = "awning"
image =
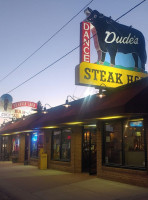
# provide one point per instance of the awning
(129, 99)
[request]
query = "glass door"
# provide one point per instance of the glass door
(4, 155)
(26, 158)
(89, 151)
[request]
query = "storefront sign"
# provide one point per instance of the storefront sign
(6, 115)
(24, 104)
(85, 42)
(99, 75)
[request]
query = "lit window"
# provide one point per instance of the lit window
(61, 145)
(36, 144)
(124, 143)
(15, 144)
(134, 144)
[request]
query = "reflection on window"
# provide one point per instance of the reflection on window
(15, 144)
(61, 142)
(3, 144)
(124, 143)
(65, 146)
(113, 145)
(134, 143)
(56, 145)
(36, 144)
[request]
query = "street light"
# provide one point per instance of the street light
(67, 104)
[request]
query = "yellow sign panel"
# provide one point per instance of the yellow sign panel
(100, 75)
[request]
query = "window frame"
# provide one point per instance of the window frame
(122, 165)
(15, 138)
(60, 149)
(38, 144)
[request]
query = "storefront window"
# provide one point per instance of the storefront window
(56, 138)
(34, 147)
(61, 142)
(15, 144)
(4, 155)
(134, 143)
(113, 145)
(65, 146)
(36, 144)
(124, 143)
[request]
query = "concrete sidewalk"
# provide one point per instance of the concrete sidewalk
(29, 183)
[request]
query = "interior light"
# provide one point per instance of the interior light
(34, 137)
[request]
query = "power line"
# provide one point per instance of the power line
(130, 10)
(64, 55)
(44, 69)
(45, 42)
(123, 16)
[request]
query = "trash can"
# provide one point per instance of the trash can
(42, 160)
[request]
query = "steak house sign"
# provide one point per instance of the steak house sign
(94, 75)
(115, 40)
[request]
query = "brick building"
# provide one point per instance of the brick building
(107, 137)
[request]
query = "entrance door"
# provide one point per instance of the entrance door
(4, 155)
(89, 160)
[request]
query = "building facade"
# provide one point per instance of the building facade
(107, 137)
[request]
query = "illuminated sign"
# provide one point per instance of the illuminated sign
(6, 115)
(34, 137)
(99, 75)
(85, 42)
(8, 109)
(117, 44)
(136, 124)
(6, 103)
(24, 104)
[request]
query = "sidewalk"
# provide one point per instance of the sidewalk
(29, 183)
